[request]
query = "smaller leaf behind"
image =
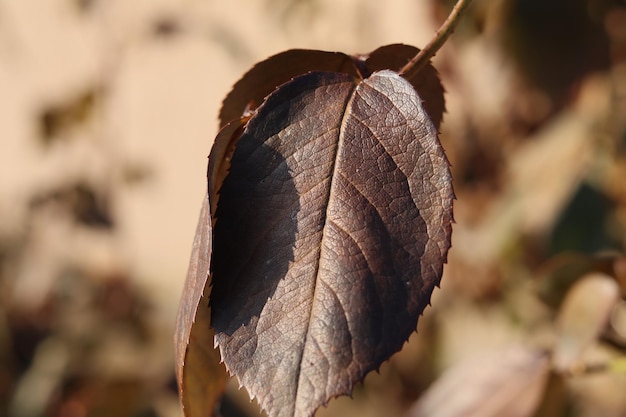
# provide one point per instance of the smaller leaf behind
(267, 75)
(200, 374)
(219, 159)
(262, 79)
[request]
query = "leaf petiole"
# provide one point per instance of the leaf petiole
(421, 59)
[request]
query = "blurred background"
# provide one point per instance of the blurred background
(108, 109)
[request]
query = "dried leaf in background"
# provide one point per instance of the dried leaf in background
(503, 383)
(583, 315)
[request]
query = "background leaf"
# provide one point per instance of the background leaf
(331, 232)
(583, 315)
(501, 383)
(267, 75)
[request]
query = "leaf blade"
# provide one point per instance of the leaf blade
(278, 310)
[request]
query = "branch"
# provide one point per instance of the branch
(421, 59)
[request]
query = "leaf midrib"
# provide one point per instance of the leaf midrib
(329, 199)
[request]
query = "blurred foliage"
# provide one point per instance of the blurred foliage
(535, 131)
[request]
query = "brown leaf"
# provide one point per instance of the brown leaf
(331, 232)
(200, 375)
(220, 156)
(267, 75)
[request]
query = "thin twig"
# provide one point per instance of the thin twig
(446, 29)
